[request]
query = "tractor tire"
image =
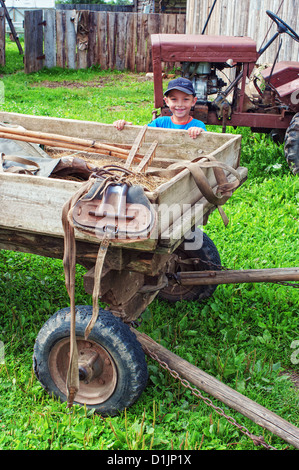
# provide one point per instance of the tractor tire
(291, 144)
(120, 361)
(207, 259)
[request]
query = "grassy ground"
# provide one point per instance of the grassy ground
(244, 335)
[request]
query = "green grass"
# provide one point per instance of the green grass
(243, 335)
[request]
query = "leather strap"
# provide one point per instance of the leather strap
(69, 263)
(224, 188)
(23, 161)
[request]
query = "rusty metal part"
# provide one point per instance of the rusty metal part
(97, 371)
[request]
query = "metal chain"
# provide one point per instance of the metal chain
(257, 440)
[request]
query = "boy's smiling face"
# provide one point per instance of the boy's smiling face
(180, 104)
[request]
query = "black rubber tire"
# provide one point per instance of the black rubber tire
(208, 253)
(112, 335)
(291, 145)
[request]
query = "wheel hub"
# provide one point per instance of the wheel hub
(97, 371)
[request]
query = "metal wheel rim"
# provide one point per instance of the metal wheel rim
(99, 388)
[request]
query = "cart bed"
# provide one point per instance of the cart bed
(31, 206)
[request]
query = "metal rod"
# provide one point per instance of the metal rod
(209, 16)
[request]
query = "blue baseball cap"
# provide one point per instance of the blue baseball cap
(181, 84)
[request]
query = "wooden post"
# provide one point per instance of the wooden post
(195, 278)
(252, 410)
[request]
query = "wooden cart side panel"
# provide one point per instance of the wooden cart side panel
(173, 197)
(34, 204)
(171, 143)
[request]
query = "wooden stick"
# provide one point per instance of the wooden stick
(148, 157)
(252, 410)
(66, 145)
(194, 278)
(62, 138)
(135, 147)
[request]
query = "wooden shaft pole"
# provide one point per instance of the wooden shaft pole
(66, 145)
(57, 137)
(193, 278)
(235, 400)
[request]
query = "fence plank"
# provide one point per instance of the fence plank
(50, 38)
(111, 33)
(102, 40)
(153, 27)
(131, 42)
(70, 40)
(121, 40)
(92, 39)
(60, 39)
(33, 40)
(2, 37)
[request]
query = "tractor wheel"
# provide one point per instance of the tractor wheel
(291, 144)
(200, 259)
(112, 367)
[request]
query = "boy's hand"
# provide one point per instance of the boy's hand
(120, 124)
(194, 132)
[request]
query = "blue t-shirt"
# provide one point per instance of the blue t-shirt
(165, 122)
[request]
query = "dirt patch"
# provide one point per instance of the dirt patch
(96, 83)
(293, 376)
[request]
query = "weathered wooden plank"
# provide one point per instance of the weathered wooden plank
(50, 38)
(141, 42)
(92, 39)
(2, 36)
(70, 40)
(131, 42)
(33, 60)
(102, 40)
(60, 39)
(111, 34)
(153, 26)
(121, 41)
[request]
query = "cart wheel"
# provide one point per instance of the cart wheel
(112, 367)
(208, 253)
(291, 144)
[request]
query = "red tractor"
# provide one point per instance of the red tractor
(274, 108)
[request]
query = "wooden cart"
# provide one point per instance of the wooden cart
(112, 367)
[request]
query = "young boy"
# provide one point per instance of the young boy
(180, 98)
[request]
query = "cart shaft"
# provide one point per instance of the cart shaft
(238, 276)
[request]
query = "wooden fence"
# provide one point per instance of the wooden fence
(247, 18)
(95, 7)
(115, 40)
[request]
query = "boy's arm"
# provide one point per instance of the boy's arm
(120, 124)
